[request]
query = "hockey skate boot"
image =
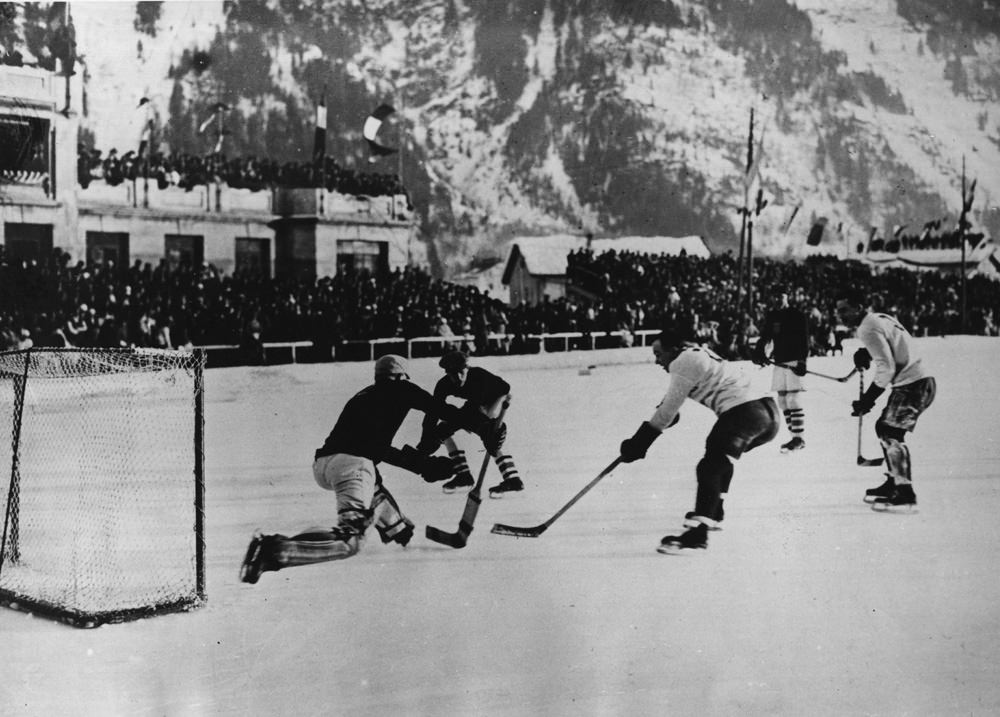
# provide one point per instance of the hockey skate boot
(461, 480)
(692, 539)
(902, 500)
(258, 558)
(507, 485)
(883, 491)
(796, 444)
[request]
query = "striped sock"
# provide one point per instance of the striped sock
(795, 419)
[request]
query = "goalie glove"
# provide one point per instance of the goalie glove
(862, 359)
(759, 354)
(431, 469)
(867, 401)
(634, 448)
(799, 369)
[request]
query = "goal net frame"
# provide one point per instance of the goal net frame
(102, 522)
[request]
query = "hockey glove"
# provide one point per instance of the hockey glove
(437, 468)
(862, 359)
(406, 457)
(799, 369)
(494, 438)
(867, 401)
(758, 355)
(634, 448)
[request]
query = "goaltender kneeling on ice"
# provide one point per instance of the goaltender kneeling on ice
(745, 420)
(347, 464)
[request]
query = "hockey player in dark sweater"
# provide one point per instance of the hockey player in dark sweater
(486, 396)
(347, 464)
(787, 330)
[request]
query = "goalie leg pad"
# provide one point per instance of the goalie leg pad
(391, 524)
(317, 546)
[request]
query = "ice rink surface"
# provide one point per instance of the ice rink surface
(807, 603)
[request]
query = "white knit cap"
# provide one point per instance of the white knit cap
(391, 365)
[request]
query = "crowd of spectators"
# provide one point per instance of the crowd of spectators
(188, 171)
(929, 238)
(59, 302)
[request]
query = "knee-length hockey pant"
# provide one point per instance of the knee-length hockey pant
(738, 430)
(361, 500)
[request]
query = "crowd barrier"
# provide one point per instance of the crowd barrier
(280, 352)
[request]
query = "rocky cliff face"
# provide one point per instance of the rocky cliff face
(611, 116)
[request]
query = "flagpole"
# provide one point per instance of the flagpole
(966, 205)
(744, 214)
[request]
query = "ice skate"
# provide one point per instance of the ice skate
(883, 491)
(257, 559)
(507, 485)
(692, 539)
(902, 500)
(796, 444)
(462, 480)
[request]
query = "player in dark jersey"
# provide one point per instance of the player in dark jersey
(347, 464)
(786, 328)
(485, 395)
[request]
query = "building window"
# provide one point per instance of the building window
(357, 255)
(253, 256)
(25, 156)
(28, 241)
(184, 250)
(108, 247)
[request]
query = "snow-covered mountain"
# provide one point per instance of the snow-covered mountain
(611, 116)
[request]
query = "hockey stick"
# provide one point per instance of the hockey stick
(460, 537)
(838, 379)
(535, 531)
(862, 461)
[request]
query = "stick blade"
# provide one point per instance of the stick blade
(501, 529)
(870, 462)
(452, 540)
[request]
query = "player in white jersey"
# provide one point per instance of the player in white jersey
(746, 419)
(889, 346)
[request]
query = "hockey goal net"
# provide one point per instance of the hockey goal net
(101, 482)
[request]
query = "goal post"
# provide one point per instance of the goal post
(102, 482)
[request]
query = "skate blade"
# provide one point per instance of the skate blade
(869, 499)
(900, 509)
(676, 549)
(463, 489)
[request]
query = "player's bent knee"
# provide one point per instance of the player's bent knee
(714, 466)
(885, 432)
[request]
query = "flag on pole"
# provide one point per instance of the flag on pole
(146, 139)
(371, 128)
(319, 137)
(754, 156)
(816, 233)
